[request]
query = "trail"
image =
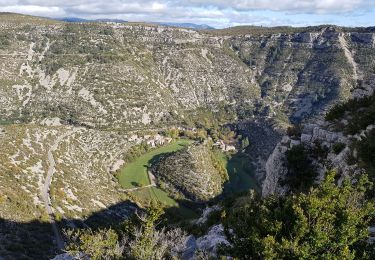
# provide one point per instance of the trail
(151, 179)
(140, 188)
(349, 56)
(46, 188)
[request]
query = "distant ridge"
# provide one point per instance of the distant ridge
(81, 20)
(189, 25)
(184, 25)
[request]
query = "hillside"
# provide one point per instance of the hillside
(189, 174)
(137, 75)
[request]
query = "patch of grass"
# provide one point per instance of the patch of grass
(163, 197)
(135, 174)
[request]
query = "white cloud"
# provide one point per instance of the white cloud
(310, 6)
(214, 12)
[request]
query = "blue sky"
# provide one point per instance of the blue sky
(217, 13)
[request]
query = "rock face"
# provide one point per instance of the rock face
(275, 170)
(189, 174)
(209, 243)
(317, 134)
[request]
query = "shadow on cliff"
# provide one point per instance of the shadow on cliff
(35, 239)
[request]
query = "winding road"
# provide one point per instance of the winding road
(45, 189)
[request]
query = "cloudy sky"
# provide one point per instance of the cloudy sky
(217, 13)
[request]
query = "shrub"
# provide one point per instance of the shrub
(301, 173)
(361, 111)
(330, 222)
(337, 111)
(338, 147)
(294, 131)
(366, 153)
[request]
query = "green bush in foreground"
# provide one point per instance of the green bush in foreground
(338, 147)
(301, 173)
(366, 153)
(329, 222)
(136, 238)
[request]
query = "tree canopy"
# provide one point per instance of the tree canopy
(329, 222)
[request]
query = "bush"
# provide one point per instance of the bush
(330, 222)
(301, 173)
(338, 147)
(336, 112)
(294, 131)
(136, 238)
(361, 111)
(5, 40)
(366, 153)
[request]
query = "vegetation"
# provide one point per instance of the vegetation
(366, 153)
(136, 151)
(190, 174)
(294, 131)
(136, 238)
(134, 174)
(329, 222)
(241, 174)
(361, 112)
(245, 143)
(301, 173)
(338, 147)
(219, 164)
(5, 40)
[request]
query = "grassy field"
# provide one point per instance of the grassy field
(135, 174)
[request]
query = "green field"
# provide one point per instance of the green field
(134, 174)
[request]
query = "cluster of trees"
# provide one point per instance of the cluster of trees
(301, 173)
(361, 111)
(328, 222)
(136, 238)
(199, 134)
(366, 153)
(136, 151)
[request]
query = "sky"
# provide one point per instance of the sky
(216, 13)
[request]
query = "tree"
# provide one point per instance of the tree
(245, 143)
(301, 173)
(329, 222)
(136, 238)
(101, 244)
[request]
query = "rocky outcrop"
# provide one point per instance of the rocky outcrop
(276, 169)
(206, 245)
(189, 174)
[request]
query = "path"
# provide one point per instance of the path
(151, 179)
(46, 188)
(139, 188)
(349, 56)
